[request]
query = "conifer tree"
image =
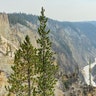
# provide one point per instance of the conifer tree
(23, 79)
(46, 68)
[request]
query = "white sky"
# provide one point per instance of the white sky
(63, 10)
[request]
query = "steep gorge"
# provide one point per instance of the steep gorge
(72, 46)
(10, 37)
(70, 41)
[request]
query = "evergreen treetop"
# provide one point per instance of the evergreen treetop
(47, 69)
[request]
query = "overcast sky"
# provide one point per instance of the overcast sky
(63, 10)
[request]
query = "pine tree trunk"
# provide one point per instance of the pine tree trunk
(29, 88)
(44, 82)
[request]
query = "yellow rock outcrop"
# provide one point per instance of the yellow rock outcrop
(3, 83)
(4, 24)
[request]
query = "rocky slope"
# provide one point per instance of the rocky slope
(74, 42)
(28, 24)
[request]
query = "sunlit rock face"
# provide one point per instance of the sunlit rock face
(4, 24)
(3, 83)
(4, 20)
(58, 91)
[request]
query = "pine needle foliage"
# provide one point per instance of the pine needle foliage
(46, 68)
(23, 79)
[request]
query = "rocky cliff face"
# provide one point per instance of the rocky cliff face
(75, 39)
(4, 24)
(4, 20)
(5, 52)
(3, 83)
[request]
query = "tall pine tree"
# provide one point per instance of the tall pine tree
(22, 80)
(46, 68)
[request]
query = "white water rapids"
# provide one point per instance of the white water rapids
(85, 73)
